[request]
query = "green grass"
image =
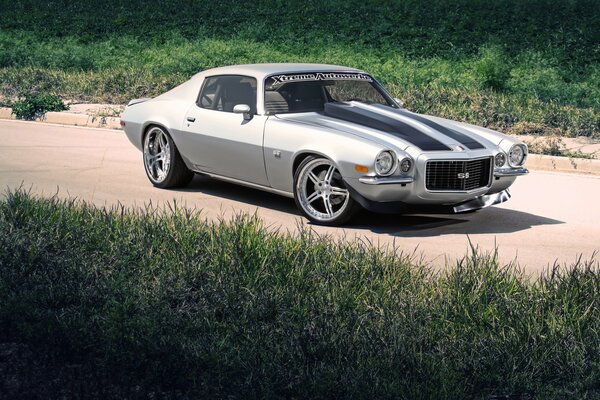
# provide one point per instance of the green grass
(35, 105)
(504, 64)
(166, 302)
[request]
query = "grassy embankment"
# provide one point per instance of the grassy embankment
(116, 303)
(519, 66)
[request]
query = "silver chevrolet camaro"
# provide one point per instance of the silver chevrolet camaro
(329, 136)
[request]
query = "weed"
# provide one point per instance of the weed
(35, 105)
(554, 146)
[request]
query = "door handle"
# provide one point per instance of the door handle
(191, 119)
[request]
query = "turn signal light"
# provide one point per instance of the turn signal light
(122, 123)
(361, 168)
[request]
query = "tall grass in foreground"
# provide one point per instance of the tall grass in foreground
(145, 302)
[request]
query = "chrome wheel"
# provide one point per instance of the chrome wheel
(157, 155)
(321, 191)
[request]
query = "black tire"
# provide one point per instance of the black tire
(173, 171)
(328, 192)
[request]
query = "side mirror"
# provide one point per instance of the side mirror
(243, 109)
(400, 102)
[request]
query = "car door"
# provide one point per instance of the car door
(226, 143)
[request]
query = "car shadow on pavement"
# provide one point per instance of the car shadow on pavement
(231, 191)
(487, 220)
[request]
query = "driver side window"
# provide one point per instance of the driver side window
(222, 93)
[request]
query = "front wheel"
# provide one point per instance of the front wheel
(163, 163)
(321, 194)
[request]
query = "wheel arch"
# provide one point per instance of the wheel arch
(151, 124)
(303, 155)
(344, 160)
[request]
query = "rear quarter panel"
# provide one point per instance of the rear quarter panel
(166, 113)
(167, 110)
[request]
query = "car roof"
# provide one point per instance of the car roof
(262, 70)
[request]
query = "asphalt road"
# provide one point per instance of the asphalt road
(551, 217)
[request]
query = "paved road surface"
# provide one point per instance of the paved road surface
(550, 216)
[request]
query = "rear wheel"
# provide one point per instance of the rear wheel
(163, 163)
(321, 194)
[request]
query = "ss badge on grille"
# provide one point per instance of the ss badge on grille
(462, 175)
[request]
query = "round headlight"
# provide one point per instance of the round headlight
(516, 155)
(500, 160)
(405, 165)
(384, 163)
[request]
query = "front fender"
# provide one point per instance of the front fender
(285, 141)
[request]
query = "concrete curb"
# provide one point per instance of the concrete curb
(6, 113)
(67, 118)
(535, 162)
(538, 162)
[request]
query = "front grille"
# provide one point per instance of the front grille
(458, 174)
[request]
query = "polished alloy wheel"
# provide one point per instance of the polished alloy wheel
(157, 155)
(321, 191)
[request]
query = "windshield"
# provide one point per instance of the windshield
(308, 92)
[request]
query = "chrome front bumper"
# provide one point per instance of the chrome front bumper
(511, 172)
(386, 180)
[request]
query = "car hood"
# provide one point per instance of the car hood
(398, 127)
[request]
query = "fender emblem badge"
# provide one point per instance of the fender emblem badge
(277, 153)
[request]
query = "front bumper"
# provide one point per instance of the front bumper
(386, 180)
(499, 173)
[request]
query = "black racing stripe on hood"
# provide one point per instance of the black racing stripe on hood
(383, 123)
(461, 138)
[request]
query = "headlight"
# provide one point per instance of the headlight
(500, 160)
(384, 163)
(405, 165)
(516, 155)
